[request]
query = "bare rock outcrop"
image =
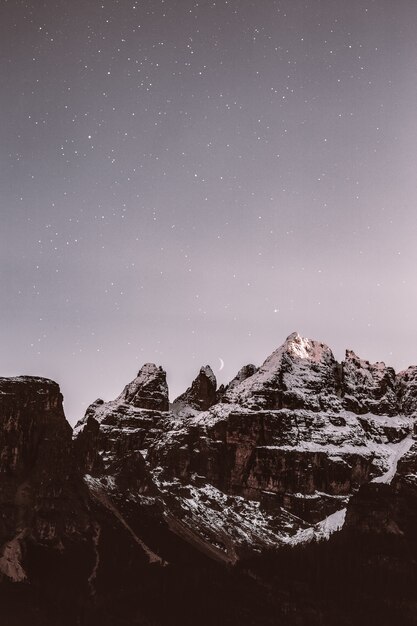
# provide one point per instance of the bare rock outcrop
(202, 393)
(149, 390)
(368, 387)
(407, 390)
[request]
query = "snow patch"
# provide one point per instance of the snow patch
(394, 452)
(321, 531)
(303, 348)
(10, 561)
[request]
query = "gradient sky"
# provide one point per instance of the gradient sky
(183, 181)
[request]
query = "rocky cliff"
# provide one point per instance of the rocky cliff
(201, 395)
(38, 477)
(296, 470)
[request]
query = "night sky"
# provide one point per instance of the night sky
(188, 181)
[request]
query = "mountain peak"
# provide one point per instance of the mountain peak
(300, 373)
(202, 393)
(149, 369)
(369, 387)
(149, 390)
(304, 348)
(208, 372)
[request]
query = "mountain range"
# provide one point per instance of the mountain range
(287, 497)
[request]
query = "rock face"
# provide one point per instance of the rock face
(149, 390)
(300, 475)
(33, 427)
(128, 424)
(369, 388)
(202, 393)
(38, 472)
(299, 374)
(407, 390)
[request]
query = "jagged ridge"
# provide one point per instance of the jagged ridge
(289, 453)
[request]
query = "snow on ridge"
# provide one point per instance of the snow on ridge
(321, 531)
(231, 518)
(364, 363)
(302, 351)
(396, 452)
(304, 348)
(299, 347)
(334, 522)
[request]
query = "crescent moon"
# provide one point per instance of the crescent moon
(221, 364)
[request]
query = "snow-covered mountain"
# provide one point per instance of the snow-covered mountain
(301, 456)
